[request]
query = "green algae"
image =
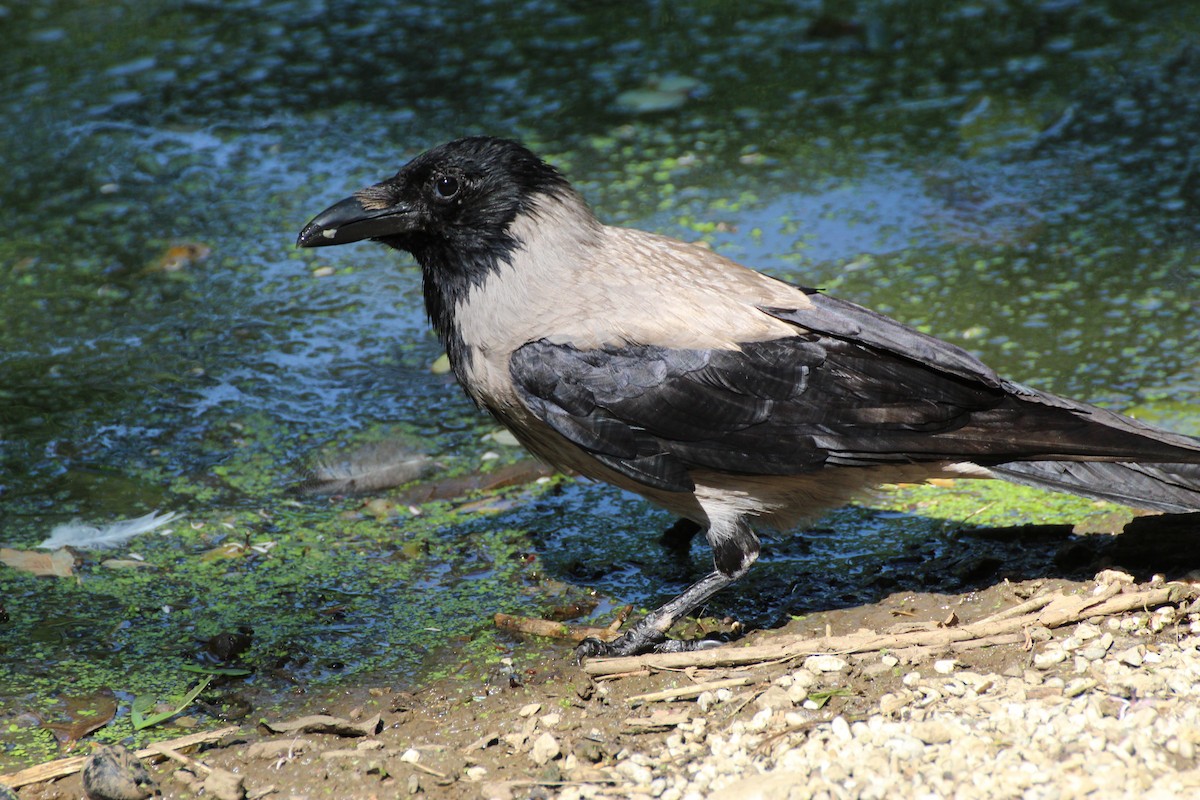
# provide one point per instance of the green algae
(327, 598)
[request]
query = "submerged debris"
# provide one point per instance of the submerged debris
(368, 468)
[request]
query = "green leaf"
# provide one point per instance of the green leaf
(141, 704)
(821, 698)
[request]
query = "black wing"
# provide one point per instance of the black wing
(851, 388)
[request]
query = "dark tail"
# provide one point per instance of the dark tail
(1172, 488)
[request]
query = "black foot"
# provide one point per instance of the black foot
(637, 641)
(648, 635)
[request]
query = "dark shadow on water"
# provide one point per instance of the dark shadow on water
(857, 556)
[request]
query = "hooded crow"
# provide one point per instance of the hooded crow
(727, 396)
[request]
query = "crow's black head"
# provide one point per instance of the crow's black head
(458, 198)
(452, 208)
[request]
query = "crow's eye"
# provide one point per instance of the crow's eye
(446, 187)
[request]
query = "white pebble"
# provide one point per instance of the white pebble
(841, 729)
(1048, 658)
(635, 772)
(759, 721)
(824, 663)
(545, 749)
(1132, 657)
(804, 678)
(797, 694)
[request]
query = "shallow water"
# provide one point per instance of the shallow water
(1017, 177)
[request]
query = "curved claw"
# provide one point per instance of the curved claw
(634, 642)
(589, 648)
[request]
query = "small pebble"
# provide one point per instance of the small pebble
(1122, 724)
(804, 678)
(841, 729)
(1132, 657)
(760, 720)
(1048, 658)
(825, 663)
(545, 749)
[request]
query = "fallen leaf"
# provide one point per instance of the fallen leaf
(180, 256)
(227, 550)
(60, 563)
(84, 715)
(441, 365)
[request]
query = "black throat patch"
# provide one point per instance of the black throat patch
(449, 272)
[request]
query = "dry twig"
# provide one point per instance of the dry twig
(688, 691)
(69, 766)
(1057, 610)
(559, 630)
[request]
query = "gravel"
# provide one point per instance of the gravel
(1107, 709)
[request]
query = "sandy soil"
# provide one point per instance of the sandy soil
(557, 730)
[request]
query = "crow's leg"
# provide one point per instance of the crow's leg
(735, 548)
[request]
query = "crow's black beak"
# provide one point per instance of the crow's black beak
(349, 221)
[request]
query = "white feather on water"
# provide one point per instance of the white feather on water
(83, 536)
